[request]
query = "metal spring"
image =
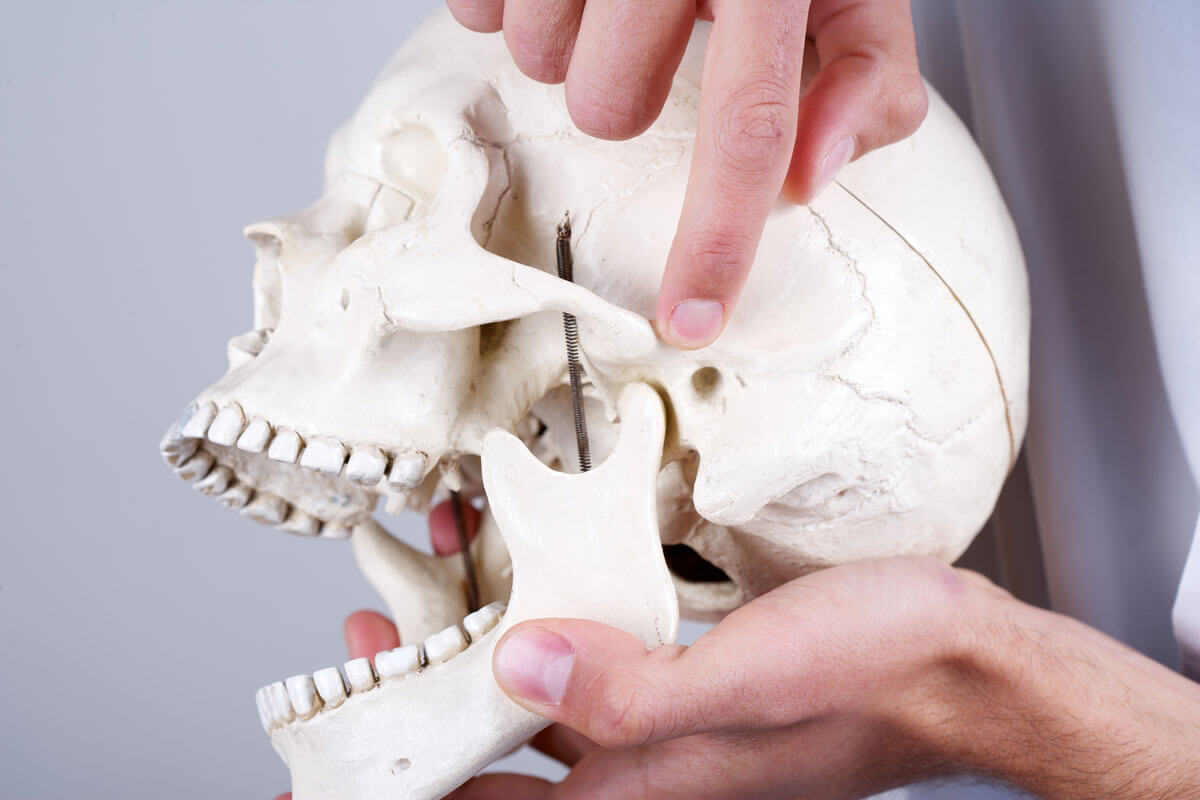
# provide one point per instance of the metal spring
(566, 271)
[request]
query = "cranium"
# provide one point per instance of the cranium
(867, 398)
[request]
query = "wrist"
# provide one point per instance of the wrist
(1047, 703)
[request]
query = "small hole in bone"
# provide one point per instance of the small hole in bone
(706, 381)
(399, 765)
(345, 300)
(691, 566)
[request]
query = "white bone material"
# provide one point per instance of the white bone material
(866, 399)
(256, 436)
(228, 426)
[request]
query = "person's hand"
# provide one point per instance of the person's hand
(757, 136)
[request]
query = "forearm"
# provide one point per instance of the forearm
(1058, 708)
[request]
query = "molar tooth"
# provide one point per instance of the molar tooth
(235, 496)
(444, 645)
(408, 470)
(228, 425)
(254, 439)
(366, 466)
(285, 447)
(266, 507)
(195, 467)
(360, 675)
(334, 531)
(302, 691)
(301, 523)
(324, 455)
(216, 482)
(451, 475)
(330, 686)
(197, 419)
(279, 706)
(478, 623)
(398, 662)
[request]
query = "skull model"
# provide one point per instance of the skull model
(867, 398)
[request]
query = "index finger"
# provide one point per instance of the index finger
(748, 110)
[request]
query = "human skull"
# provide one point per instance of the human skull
(866, 399)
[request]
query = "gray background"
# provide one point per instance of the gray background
(137, 617)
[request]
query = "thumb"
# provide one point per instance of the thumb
(597, 680)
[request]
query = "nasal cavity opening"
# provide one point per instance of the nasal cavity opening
(692, 567)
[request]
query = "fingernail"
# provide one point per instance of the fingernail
(695, 323)
(535, 665)
(838, 156)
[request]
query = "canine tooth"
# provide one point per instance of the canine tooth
(228, 426)
(197, 420)
(360, 675)
(444, 645)
(279, 705)
(302, 691)
(301, 523)
(195, 467)
(254, 439)
(235, 496)
(478, 623)
(324, 455)
(330, 686)
(264, 710)
(216, 482)
(285, 447)
(398, 662)
(408, 470)
(266, 508)
(366, 466)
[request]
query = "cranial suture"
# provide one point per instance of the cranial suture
(867, 398)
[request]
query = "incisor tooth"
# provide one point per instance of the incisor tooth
(303, 694)
(264, 709)
(215, 482)
(330, 686)
(444, 645)
(408, 470)
(324, 455)
(285, 447)
(235, 496)
(228, 425)
(175, 448)
(266, 508)
(301, 523)
(279, 706)
(365, 466)
(254, 439)
(478, 623)
(195, 467)
(197, 419)
(360, 675)
(398, 662)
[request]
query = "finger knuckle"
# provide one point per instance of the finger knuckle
(721, 256)
(541, 57)
(753, 131)
(607, 112)
(478, 15)
(908, 105)
(627, 714)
